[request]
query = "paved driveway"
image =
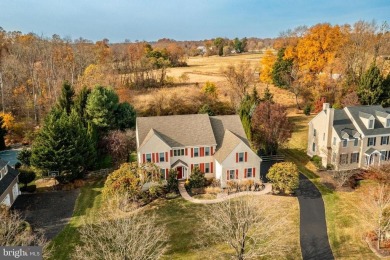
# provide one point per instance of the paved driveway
(314, 236)
(47, 211)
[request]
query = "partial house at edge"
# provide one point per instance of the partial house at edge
(216, 144)
(9, 189)
(350, 138)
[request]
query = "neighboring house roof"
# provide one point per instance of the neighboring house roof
(178, 130)
(2, 163)
(341, 122)
(7, 180)
(230, 141)
(358, 111)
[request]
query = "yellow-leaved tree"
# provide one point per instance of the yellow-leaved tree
(266, 65)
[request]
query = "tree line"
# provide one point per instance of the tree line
(342, 64)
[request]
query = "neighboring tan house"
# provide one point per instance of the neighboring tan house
(350, 138)
(9, 189)
(216, 144)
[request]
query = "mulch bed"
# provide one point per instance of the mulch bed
(382, 253)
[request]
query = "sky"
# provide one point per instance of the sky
(150, 20)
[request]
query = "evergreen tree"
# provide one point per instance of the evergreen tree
(371, 86)
(268, 96)
(62, 145)
(245, 110)
(125, 116)
(80, 102)
(281, 70)
(3, 132)
(101, 106)
(385, 97)
(66, 100)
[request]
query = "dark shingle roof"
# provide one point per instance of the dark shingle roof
(378, 129)
(6, 181)
(341, 122)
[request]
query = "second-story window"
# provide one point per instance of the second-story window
(345, 143)
(371, 141)
(206, 151)
(388, 122)
(162, 157)
(384, 140)
(356, 142)
(196, 152)
(149, 157)
(314, 132)
(334, 140)
(240, 157)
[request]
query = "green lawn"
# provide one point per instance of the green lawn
(343, 222)
(182, 219)
(87, 205)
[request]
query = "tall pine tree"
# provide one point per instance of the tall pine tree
(3, 132)
(371, 86)
(66, 100)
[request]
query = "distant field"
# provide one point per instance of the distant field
(201, 70)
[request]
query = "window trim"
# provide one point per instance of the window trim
(386, 138)
(207, 151)
(230, 174)
(369, 123)
(239, 157)
(251, 172)
(356, 142)
(146, 157)
(345, 143)
(196, 152)
(373, 143)
(207, 168)
(163, 157)
(357, 157)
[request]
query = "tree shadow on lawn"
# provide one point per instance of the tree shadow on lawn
(89, 196)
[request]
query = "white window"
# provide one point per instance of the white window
(196, 165)
(314, 132)
(249, 173)
(334, 140)
(149, 157)
(371, 141)
(343, 158)
(196, 152)
(323, 137)
(207, 168)
(206, 151)
(313, 147)
(345, 143)
(384, 140)
(162, 157)
(354, 157)
(232, 174)
(240, 157)
(371, 124)
(355, 142)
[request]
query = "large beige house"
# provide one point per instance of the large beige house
(217, 145)
(350, 138)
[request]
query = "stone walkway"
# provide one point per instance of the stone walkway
(186, 196)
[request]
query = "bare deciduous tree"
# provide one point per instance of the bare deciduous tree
(375, 209)
(250, 227)
(14, 231)
(134, 237)
(240, 77)
(341, 177)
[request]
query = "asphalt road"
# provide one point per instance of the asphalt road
(314, 236)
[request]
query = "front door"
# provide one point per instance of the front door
(179, 173)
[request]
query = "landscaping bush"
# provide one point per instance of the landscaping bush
(284, 177)
(212, 190)
(24, 156)
(172, 182)
(156, 191)
(26, 175)
(197, 179)
(317, 161)
(307, 110)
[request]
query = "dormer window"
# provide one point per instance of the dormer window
(371, 123)
(388, 123)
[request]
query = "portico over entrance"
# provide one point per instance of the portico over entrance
(181, 168)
